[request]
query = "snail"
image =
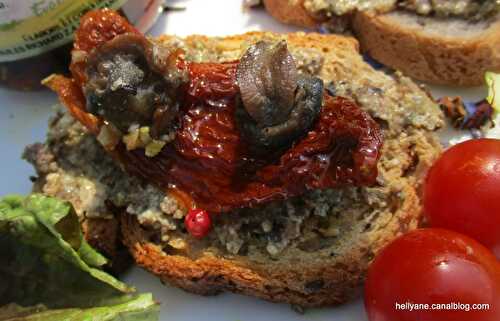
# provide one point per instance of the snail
(131, 81)
(278, 104)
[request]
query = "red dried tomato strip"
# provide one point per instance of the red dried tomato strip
(70, 95)
(208, 159)
(98, 26)
(343, 148)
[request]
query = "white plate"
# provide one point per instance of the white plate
(23, 120)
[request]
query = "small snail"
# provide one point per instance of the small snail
(279, 105)
(129, 84)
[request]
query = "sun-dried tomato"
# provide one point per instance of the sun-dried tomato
(343, 148)
(211, 163)
(97, 27)
(70, 94)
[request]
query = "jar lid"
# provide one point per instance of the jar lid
(31, 27)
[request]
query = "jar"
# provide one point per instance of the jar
(36, 34)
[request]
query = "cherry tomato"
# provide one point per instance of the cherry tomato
(462, 191)
(433, 266)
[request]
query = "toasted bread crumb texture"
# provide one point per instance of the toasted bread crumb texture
(309, 251)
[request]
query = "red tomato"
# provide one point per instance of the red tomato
(462, 191)
(433, 266)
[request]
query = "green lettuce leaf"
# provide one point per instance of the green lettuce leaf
(493, 83)
(46, 264)
(136, 308)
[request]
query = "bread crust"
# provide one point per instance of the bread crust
(307, 286)
(429, 57)
(105, 236)
(291, 12)
(426, 56)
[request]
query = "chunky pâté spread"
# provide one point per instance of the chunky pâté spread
(73, 165)
(223, 135)
(467, 9)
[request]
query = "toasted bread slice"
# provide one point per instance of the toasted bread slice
(449, 51)
(310, 251)
(306, 273)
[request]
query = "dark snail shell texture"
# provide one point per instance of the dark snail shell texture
(127, 84)
(278, 104)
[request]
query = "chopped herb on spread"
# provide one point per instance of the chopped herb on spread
(468, 9)
(341, 7)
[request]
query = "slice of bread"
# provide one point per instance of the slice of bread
(308, 251)
(449, 51)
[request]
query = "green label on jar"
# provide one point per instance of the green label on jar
(31, 27)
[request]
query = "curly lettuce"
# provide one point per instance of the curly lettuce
(493, 83)
(49, 272)
(136, 308)
(493, 98)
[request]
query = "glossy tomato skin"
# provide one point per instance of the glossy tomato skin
(462, 191)
(432, 266)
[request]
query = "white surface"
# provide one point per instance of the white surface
(23, 120)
